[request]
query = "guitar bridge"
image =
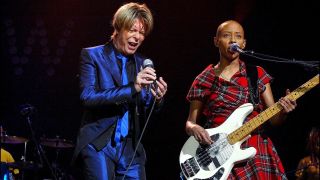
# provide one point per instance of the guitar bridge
(190, 167)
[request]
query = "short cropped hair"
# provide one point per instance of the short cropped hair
(126, 14)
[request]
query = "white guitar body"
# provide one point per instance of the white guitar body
(217, 160)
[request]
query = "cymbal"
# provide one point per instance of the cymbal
(56, 143)
(28, 165)
(12, 139)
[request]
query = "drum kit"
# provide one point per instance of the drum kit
(56, 143)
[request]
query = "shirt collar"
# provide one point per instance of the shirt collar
(242, 68)
(118, 54)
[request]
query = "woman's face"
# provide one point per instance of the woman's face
(228, 33)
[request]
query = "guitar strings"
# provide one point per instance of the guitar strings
(206, 151)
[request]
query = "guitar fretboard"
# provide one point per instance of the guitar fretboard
(265, 115)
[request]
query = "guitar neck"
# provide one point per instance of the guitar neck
(265, 115)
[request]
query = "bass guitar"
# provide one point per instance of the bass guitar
(215, 161)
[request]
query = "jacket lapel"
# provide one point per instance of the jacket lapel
(138, 62)
(111, 61)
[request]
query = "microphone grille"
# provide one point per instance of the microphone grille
(235, 47)
(147, 63)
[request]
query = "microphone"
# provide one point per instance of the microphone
(149, 63)
(27, 110)
(234, 47)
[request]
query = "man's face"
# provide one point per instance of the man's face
(128, 41)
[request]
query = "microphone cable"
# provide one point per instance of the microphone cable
(142, 132)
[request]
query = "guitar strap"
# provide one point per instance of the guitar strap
(252, 77)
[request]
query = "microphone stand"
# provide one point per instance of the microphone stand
(269, 58)
(40, 152)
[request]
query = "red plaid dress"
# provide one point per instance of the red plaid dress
(220, 99)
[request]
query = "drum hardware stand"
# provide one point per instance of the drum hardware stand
(2, 134)
(24, 158)
(57, 144)
(27, 111)
(57, 170)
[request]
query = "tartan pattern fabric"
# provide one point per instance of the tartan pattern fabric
(221, 98)
(266, 164)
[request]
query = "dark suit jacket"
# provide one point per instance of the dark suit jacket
(103, 96)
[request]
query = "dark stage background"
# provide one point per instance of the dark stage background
(41, 43)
